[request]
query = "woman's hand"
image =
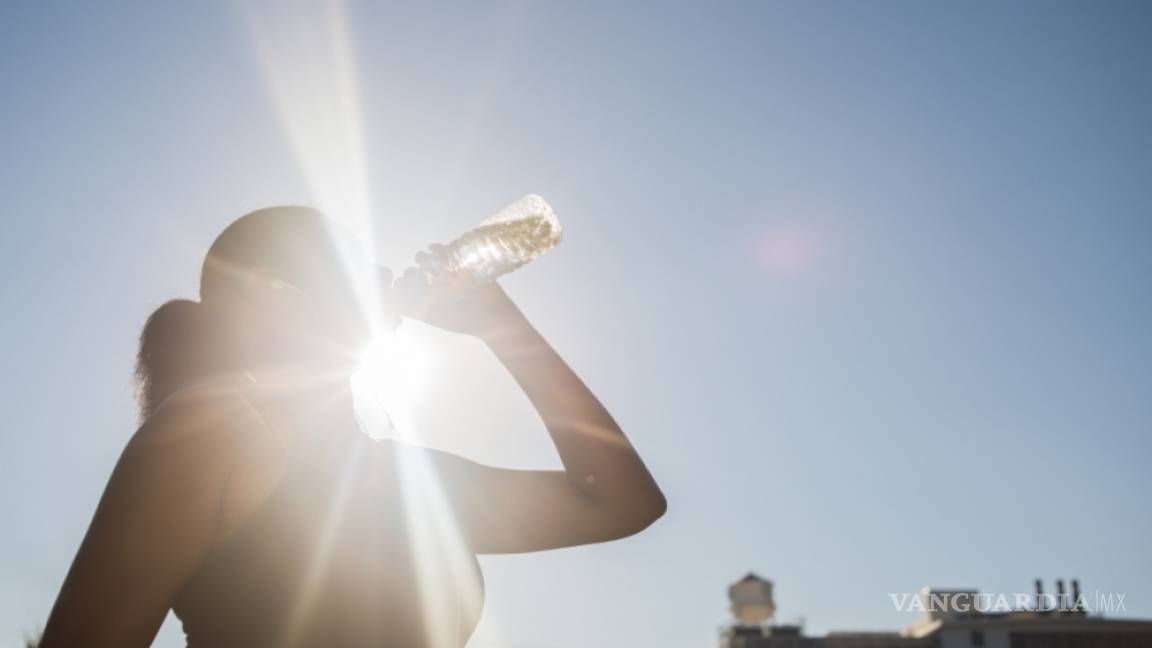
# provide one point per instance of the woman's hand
(454, 302)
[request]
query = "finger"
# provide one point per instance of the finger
(453, 285)
(386, 293)
(413, 275)
(433, 259)
(468, 282)
(384, 276)
(424, 258)
(411, 291)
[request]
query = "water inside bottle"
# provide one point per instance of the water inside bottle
(508, 240)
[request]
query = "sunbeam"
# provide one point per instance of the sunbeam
(306, 56)
(306, 596)
(390, 381)
(442, 556)
(307, 59)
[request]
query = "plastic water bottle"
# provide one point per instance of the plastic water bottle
(500, 244)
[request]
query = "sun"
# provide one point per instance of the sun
(390, 381)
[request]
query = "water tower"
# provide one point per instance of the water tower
(751, 599)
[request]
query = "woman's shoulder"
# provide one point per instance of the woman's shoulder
(210, 413)
(179, 460)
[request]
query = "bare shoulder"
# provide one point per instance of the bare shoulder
(158, 514)
(198, 424)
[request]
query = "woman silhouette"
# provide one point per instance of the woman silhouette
(250, 504)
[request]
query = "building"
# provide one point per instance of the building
(951, 619)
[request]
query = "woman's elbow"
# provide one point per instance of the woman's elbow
(658, 508)
(645, 515)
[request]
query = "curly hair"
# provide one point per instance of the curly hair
(174, 353)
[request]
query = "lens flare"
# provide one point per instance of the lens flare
(787, 249)
(390, 381)
(306, 55)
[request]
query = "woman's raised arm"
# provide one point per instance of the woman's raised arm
(604, 492)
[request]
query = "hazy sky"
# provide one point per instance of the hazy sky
(868, 284)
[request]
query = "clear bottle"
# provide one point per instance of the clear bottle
(508, 240)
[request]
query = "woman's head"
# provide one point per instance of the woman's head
(283, 279)
(276, 291)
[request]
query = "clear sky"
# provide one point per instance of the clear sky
(868, 284)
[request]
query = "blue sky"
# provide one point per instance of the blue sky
(866, 283)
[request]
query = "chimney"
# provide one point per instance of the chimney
(1061, 598)
(1076, 606)
(1039, 595)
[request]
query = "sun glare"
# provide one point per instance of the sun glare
(391, 377)
(306, 55)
